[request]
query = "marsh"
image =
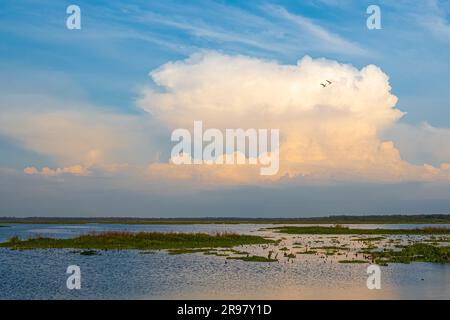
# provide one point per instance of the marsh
(335, 267)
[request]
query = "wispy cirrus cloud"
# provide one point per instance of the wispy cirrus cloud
(319, 34)
(437, 24)
(266, 27)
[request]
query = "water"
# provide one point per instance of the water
(127, 274)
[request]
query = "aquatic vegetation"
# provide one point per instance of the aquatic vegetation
(186, 250)
(307, 252)
(215, 253)
(238, 252)
(277, 242)
(365, 251)
(89, 253)
(253, 259)
(13, 240)
(369, 239)
(435, 239)
(352, 261)
(147, 252)
(209, 252)
(141, 240)
(346, 230)
(331, 248)
(418, 252)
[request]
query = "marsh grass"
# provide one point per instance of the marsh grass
(147, 252)
(368, 239)
(239, 252)
(253, 259)
(331, 248)
(141, 241)
(215, 253)
(353, 261)
(187, 250)
(89, 253)
(307, 252)
(338, 229)
(433, 239)
(418, 252)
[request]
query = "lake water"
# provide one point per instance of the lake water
(128, 274)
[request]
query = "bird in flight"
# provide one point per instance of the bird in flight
(328, 83)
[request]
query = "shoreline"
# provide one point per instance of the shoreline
(338, 219)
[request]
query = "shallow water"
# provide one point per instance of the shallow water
(127, 274)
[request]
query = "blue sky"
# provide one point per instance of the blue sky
(120, 41)
(103, 67)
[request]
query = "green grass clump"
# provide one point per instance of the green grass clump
(141, 241)
(13, 241)
(253, 259)
(331, 248)
(89, 253)
(238, 252)
(352, 261)
(418, 252)
(369, 239)
(346, 230)
(187, 250)
(432, 239)
(215, 253)
(307, 252)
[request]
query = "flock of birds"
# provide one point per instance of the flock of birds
(328, 83)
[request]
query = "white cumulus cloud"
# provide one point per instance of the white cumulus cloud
(330, 132)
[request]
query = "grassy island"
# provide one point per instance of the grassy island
(141, 241)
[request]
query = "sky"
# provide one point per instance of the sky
(86, 115)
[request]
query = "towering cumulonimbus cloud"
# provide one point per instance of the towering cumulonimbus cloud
(327, 133)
